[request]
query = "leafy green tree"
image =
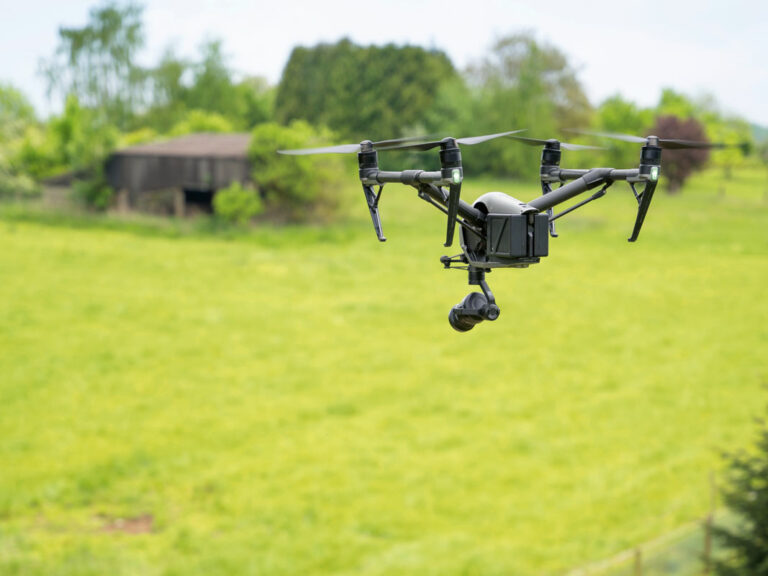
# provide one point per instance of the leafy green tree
(523, 84)
(255, 101)
(361, 91)
(96, 63)
(673, 103)
(16, 113)
(746, 494)
(17, 117)
(616, 114)
(14, 184)
(730, 130)
(294, 188)
(86, 141)
(202, 121)
(212, 88)
(78, 141)
(718, 127)
(168, 92)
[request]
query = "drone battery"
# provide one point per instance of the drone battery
(511, 235)
(507, 235)
(541, 235)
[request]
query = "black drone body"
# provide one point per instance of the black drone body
(497, 230)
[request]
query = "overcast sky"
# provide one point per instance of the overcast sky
(631, 48)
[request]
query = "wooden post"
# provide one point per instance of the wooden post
(179, 203)
(708, 545)
(708, 521)
(123, 201)
(638, 562)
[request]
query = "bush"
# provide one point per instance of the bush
(15, 185)
(296, 188)
(94, 192)
(236, 204)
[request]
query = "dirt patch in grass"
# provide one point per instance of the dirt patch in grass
(142, 524)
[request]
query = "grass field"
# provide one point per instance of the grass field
(293, 401)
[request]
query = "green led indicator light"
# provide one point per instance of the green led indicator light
(654, 173)
(456, 176)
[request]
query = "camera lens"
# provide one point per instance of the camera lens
(469, 312)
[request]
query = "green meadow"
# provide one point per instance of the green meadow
(292, 401)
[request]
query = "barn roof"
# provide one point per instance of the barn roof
(202, 145)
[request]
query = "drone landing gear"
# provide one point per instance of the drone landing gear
(475, 307)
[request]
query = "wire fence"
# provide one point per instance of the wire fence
(689, 550)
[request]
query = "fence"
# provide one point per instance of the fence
(688, 551)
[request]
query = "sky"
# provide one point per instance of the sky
(632, 48)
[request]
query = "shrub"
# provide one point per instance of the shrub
(15, 185)
(94, 192)
(297, 188)
(236, 204)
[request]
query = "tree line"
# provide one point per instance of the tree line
(331, 92)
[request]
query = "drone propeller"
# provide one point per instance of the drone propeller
(665, 143)
(350, 148)
(469, 141)
(450, 159)
(563, 145)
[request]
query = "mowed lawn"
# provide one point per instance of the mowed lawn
(293, 401)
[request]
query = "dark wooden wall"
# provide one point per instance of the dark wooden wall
(138, 174)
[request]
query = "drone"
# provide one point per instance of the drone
(498, 230)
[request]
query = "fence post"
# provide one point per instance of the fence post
(708, 545)
(638, 562)
(708, 521)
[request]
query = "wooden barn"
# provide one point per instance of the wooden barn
(178, 176)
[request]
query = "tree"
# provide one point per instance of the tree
(294, 188)
(360, 92)
(201, 121)
(255, 101)
(618, 115)
(747, 494)
(78, 141)
(96, 63)
(673, 103)
(678, 165)
(212, 88)
(168, 92)
(16, 113)
(523, 84)
(17, 117)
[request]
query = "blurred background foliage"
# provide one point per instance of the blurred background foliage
(340, 91)
(105, 330)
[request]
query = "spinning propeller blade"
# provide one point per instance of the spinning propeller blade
(340, 149)
(563, 145)
(665, 143)
(350, 148)
(469, 141)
